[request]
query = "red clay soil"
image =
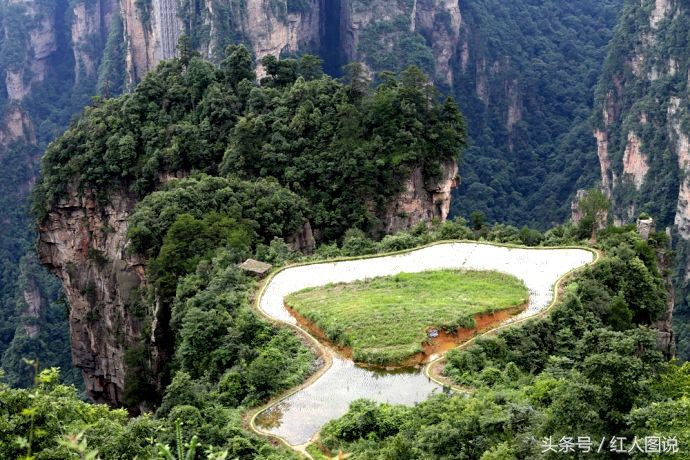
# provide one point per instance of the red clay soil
(316, 331)
(442, 343)
(445, 341)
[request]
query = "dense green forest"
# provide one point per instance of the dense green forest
(559, 376)
(591, 369)
(643, 91)
(341, 145)
(551, 54)
(534, 42)
(330, 152)
(256, 161)
(49, 106)
(524, 73)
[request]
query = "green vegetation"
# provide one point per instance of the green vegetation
(259, 161)
(548, 57)
(111, 73)
(49, 421)
(591, 367)
(651, 102)
(385, 320)
(343, 147)
(593, 206)
(49, 105)
(390, 45)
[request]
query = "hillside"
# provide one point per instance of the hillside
(144, 187)
(498, 60)
(177, 139)
(642, 125)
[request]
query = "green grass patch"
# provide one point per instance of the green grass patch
(385, 320)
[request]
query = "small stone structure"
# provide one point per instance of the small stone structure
(645, 227)
(255, 267)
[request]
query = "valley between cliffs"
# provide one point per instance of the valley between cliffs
(298, 416)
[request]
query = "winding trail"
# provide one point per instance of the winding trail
(298, 416)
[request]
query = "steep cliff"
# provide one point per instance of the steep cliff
(642, 124)
(498, 59)
(421, 200)
(641, 117)
(51, 54)
(84, 244)
(118, 200)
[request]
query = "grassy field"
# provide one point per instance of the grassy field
(385, 320)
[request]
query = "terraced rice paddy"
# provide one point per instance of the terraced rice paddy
(386, 320)
(298, 417)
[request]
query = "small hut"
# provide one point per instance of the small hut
(255, 267)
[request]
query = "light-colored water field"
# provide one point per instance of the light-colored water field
(305, 412)
(385, 320)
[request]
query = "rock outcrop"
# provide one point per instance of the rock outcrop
(84, 244)
(269, 33)
(38, 45)
(421, 200)
(89, 22)
(636, 164)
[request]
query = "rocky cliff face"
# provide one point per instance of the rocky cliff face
(151, 33)
(421, 200)
(84, 242)
(642, 125)
(85, 245)
(38, 44)
(642, 115)
(90, 22)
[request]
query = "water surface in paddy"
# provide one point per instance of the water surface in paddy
(300, 416)
(297, 418)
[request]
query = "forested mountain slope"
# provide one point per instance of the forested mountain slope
(121, 221)
(642, 124)
(523, 72)
(526, 78)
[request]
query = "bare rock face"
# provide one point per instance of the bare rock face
(304, 240)
(89, 22)
(84, 244)
(421, 201)
(271, 34)
(151, 35)
(140, 56)
(41, 42)
(604, 161)
(645, 227)
(266, 26)
(166, 27)
(14, 85)
(16, 125)
(34, 305)
(635, 163)
(680, 140)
